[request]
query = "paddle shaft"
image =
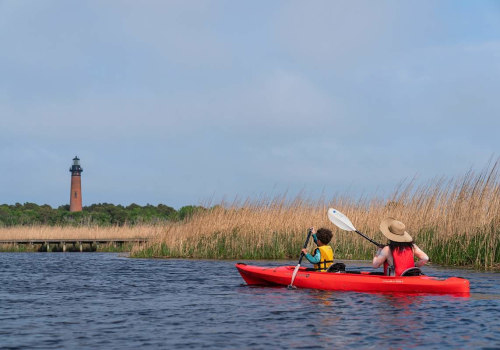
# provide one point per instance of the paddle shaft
(305, 245)
(371, 240)
(300, 259)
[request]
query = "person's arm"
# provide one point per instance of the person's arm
(422, 257)
(314, 231)
(312, 259)
(380, 256)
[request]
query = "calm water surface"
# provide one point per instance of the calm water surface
(109, 301)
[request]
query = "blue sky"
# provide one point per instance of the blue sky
(187, 102)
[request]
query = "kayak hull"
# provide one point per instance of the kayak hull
(345, 281)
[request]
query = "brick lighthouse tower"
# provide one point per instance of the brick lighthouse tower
(75, 201)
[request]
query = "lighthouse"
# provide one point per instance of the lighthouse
(75, 201)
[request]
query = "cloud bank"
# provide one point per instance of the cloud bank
(184, 102)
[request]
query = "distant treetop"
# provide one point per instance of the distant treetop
(102, 214)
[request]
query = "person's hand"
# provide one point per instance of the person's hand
(377, 253)
(304, 251)
(313, 230)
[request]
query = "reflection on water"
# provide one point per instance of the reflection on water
(108, 301)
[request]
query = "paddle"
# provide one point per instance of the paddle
(343, 222)
(290, 286)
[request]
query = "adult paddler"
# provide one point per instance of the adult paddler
(399, 255)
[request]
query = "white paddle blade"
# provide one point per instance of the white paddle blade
(293, 275)
(340, 220)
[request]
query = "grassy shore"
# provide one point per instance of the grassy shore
(455, 221)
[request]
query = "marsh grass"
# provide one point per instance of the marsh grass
(19, 248)
(81, 232)
(456, 221)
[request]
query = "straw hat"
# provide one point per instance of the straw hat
(395, 230)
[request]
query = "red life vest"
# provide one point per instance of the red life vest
(403, 259)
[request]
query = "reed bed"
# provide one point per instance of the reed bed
(79, 232)
(456, 221)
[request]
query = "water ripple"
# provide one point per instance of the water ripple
(107, 301)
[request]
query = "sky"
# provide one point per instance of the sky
(193, 102)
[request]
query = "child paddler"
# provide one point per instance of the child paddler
(322, 256)
(398, 256)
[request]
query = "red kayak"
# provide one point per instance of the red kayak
(351, 281)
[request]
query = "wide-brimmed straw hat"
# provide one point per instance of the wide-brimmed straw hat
(395, 230)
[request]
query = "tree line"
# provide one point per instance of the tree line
(102, 214)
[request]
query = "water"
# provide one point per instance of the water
(108, 301)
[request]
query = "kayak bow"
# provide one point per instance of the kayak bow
(351, 281)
